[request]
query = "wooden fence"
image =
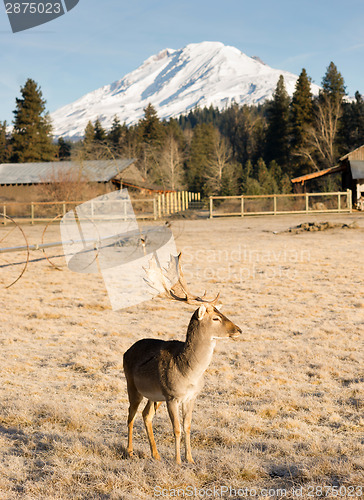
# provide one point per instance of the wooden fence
(144, 208)
(170, 203)
(277, 204)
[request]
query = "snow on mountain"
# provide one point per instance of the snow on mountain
(175, 81)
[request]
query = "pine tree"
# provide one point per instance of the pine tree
(64, 149)
(89, 134)
(333, 84)
(117, 135)
(277, 147)
(99, 132)
(150, 127)
(4, 144)
(86, 151)
(201, 150)
(352, 129)
(301, 108)
(31, 139)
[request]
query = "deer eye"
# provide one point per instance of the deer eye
(216, 318)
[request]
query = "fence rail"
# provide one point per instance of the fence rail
(144, 208)
(277, 204)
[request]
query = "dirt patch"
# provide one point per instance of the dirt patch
(322, 226)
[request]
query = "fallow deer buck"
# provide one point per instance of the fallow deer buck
(172, 371)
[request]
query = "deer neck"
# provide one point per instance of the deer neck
(197, 352)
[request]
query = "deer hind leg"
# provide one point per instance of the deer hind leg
(148, 414)
(187, 418)
(135, 398)
(172, 407)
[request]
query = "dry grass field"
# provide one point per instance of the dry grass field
(282, 407)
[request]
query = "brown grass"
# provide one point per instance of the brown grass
(282, 407)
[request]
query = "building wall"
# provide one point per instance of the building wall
(36, 192)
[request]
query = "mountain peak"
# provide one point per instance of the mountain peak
(175, 81)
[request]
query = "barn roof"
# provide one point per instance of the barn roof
(40, 173)
(319, 173)
(354, 160)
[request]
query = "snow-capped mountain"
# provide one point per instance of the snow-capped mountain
(175, 81)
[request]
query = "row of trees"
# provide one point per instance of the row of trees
(242, 149)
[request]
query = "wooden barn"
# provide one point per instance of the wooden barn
(351, 166)
(26, 181)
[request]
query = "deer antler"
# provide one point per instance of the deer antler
(172, 282)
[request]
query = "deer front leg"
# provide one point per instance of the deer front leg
(187, 418)
(148, 414)
(172, 407)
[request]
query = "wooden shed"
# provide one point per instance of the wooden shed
(24, 181)
(351, 166)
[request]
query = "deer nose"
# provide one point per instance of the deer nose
(236, 333)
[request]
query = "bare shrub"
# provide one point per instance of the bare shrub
(65, 184)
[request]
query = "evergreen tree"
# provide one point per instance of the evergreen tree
(99, 132)
(64, 149)
(277, 147)
(89, 136)
(201, 150)
(301, 109)
(352, 129)
(333, 84)
(116, 135)
(86, 152)
(150, 127)
(267, 182)
(4, 144)
(250, 185)
(31, 139)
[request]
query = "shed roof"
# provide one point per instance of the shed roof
(356, 154)
(319, 173)
(40, 173)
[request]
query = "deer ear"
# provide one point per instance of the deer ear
(219, 307)
(201, 312)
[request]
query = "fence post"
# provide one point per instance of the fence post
(338, 202)
(198, 196)
(64, 207)
(32, 213)
(159, 206)
(242, 205)
(306, 203)
(349, 199)
(155, 215)
(4, 212)
(186, 202)
(179, 204)
(275, 204)
(211, 203)
(183, 201)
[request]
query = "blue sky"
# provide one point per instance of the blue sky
(98, 42)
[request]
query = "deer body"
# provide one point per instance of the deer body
(172, 371)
